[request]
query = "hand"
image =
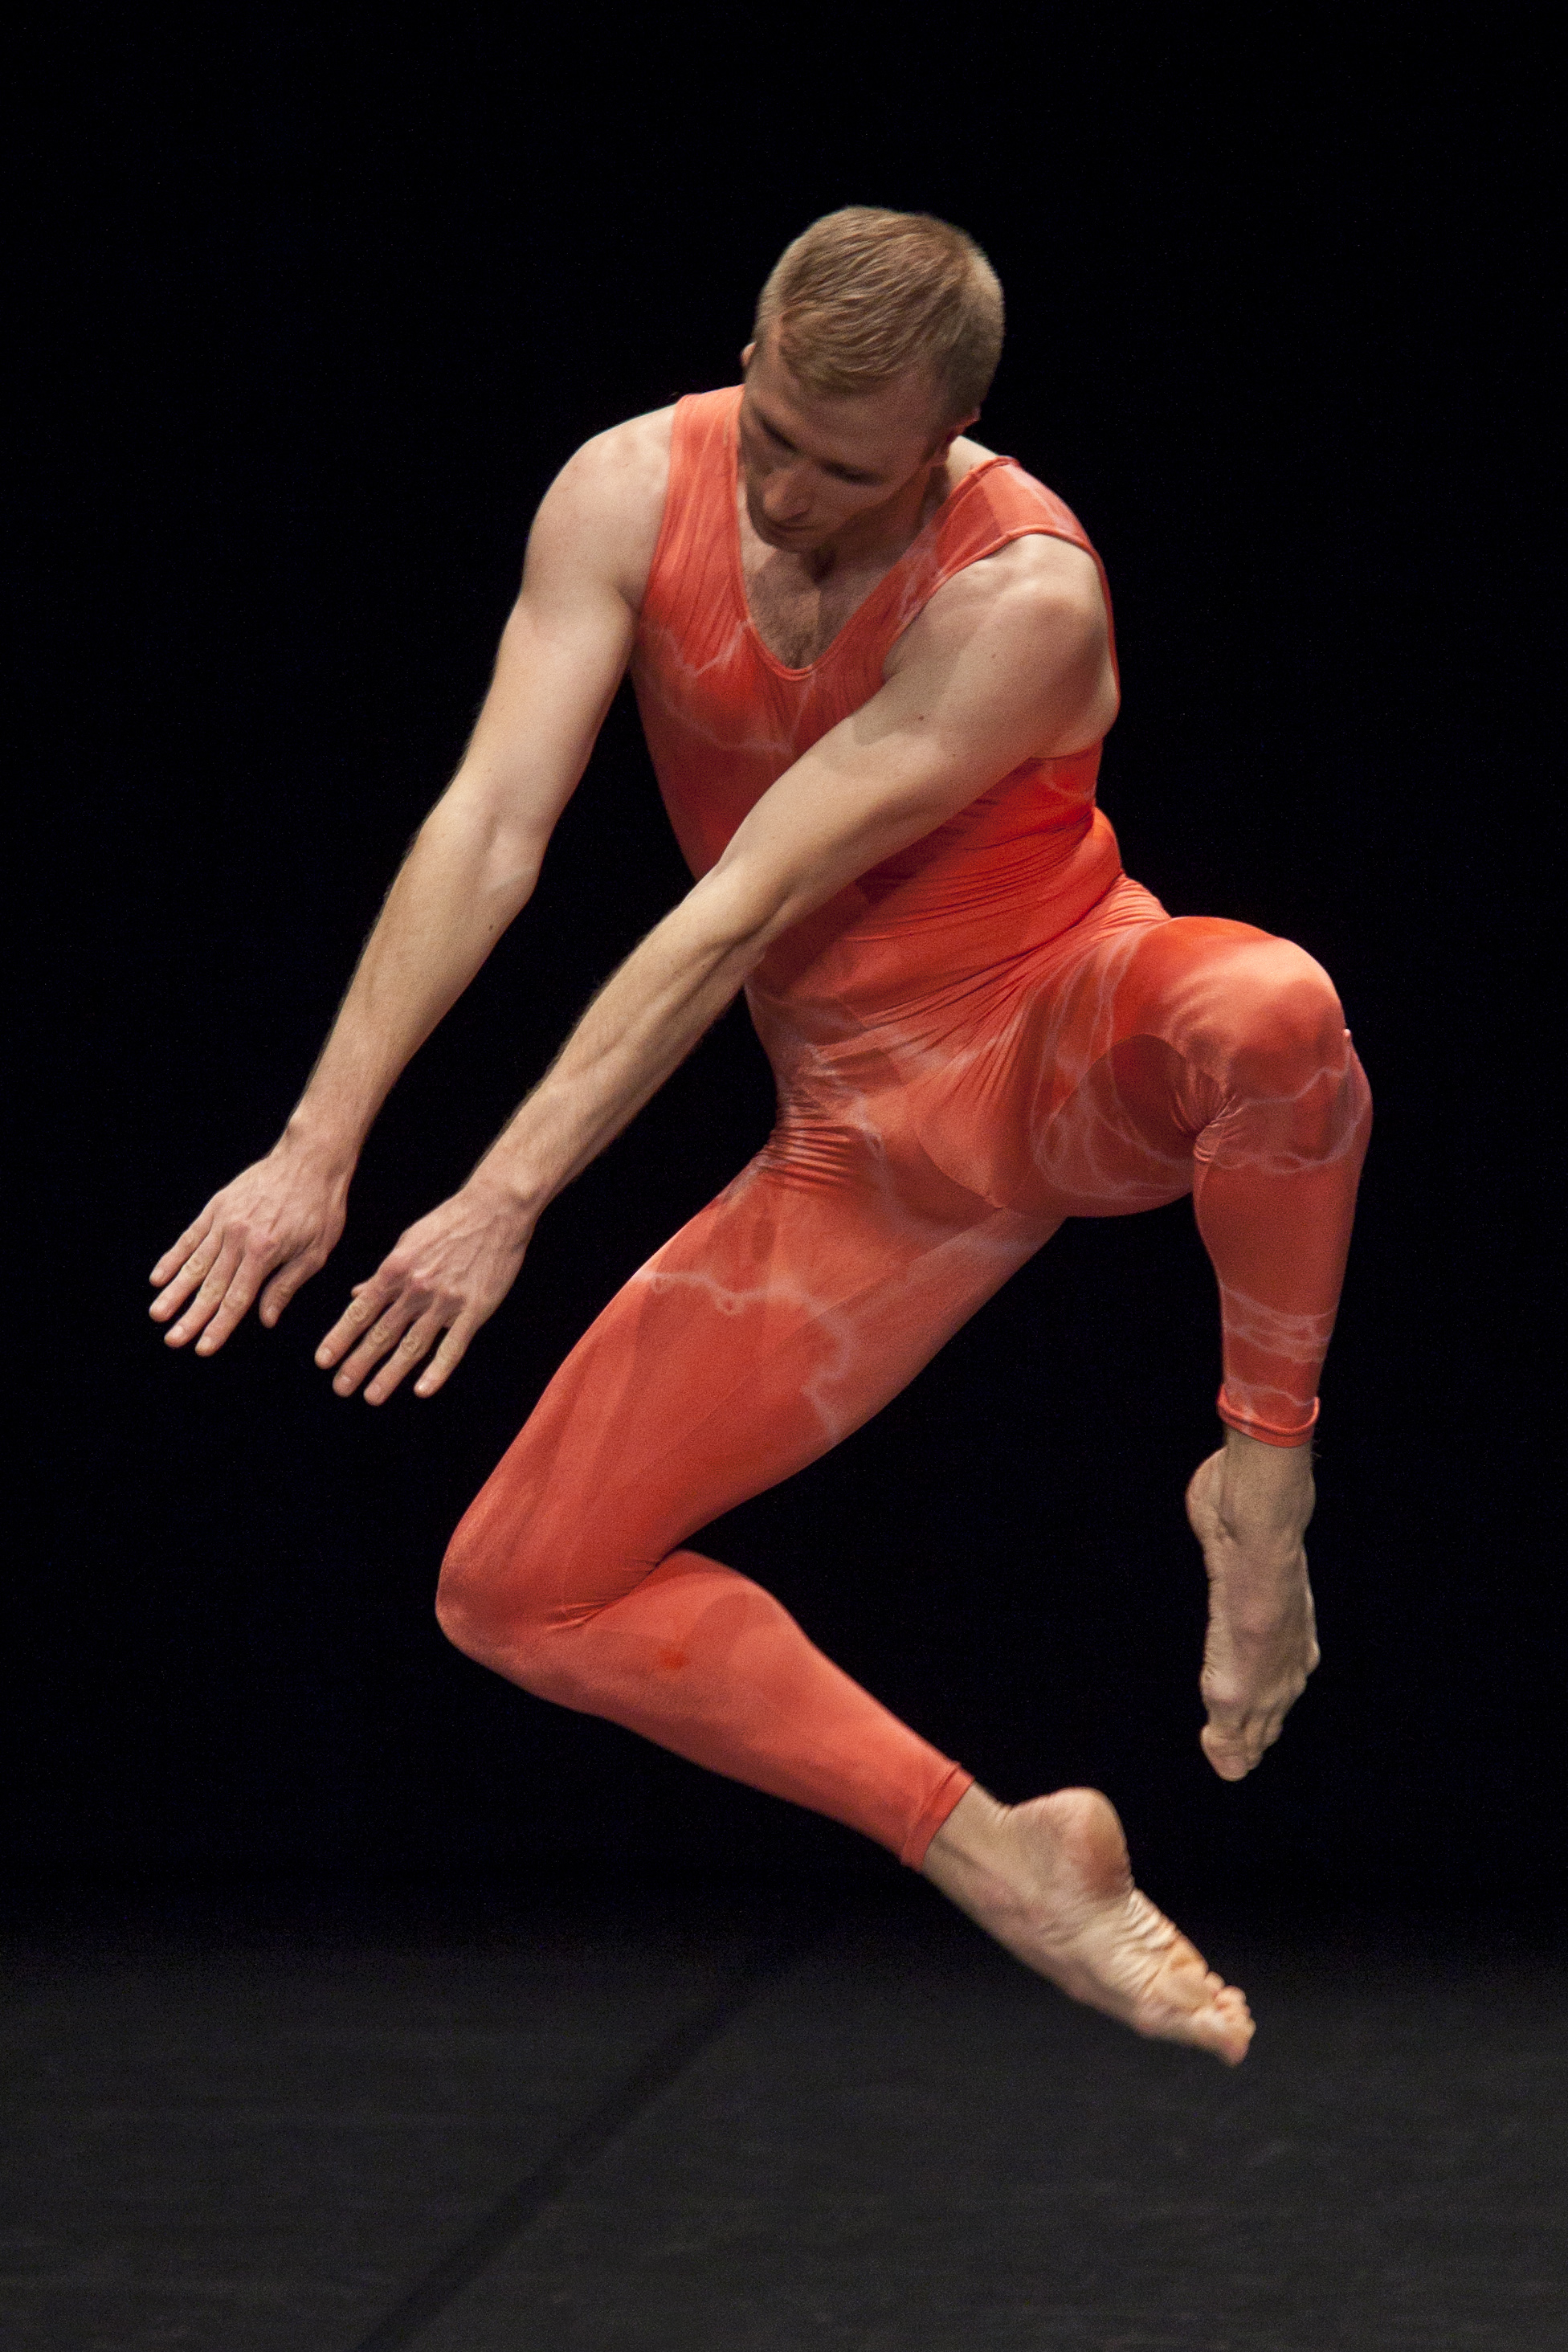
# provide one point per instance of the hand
(448, 1274)
(280, 1217)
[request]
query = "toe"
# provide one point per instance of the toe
(1231, 2027)
(1223, 2026)
(1228, 1753)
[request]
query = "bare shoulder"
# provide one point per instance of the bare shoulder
(1035, 585)
(602, 513)
(1025, 631)
(963, 457)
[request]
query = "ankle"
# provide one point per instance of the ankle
(1263, 1490)
(975, 1832)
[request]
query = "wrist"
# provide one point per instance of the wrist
(325, 1144)
(509, 1197)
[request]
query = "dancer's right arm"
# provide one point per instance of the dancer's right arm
(471, 868)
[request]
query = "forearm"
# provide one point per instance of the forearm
(462, 883)
(639, 1029)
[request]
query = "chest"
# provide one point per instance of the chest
(798, 617)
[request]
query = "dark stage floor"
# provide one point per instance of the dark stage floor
(701, 2119)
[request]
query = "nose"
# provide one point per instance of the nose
(786, 496)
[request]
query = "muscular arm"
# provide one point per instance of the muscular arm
(475, 859)
(1010, 660)
(472, 867)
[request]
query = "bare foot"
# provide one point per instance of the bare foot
(1050, 1880)
(1249, 1505)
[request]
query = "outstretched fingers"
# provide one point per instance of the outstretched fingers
(447, 1275)
(398, 1338)
(176, 1263)
(234, 1303)
(275, 1225)
(376, 1320)
(287, 1281)
(387, 1318)
(188, 1278)
(215, 1269)
(448, 1355)
(226, 1276)
(414, 1344)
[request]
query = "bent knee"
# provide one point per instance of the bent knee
(498, 1600)
(1285, 1023)
(460, 1609)
(484, 1597)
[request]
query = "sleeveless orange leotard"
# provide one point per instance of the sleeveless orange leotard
(989, 1033)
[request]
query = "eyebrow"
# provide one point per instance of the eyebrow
(845, 473)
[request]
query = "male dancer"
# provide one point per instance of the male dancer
(875, 666)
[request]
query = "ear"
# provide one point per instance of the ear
(746, 357)
(949, 435)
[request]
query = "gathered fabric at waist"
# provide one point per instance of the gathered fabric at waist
(882, 954)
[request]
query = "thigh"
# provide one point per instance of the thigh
(779, 1319)
(1133, 1057)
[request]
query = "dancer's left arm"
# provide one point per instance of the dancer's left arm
(1009, 661)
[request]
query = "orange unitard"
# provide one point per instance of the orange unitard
(993, 1031)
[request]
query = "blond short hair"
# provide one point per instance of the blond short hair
(863, 296)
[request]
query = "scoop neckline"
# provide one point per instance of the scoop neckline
(738, 568)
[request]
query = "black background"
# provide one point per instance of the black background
(319, 312)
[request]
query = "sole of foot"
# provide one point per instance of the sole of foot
(1249, 1511)
(1050, 1880)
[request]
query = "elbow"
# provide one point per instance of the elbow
(510, 874)
(500, 854)
(503, 862)
(738, 921)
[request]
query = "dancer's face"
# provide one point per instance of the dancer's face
(813, 466)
